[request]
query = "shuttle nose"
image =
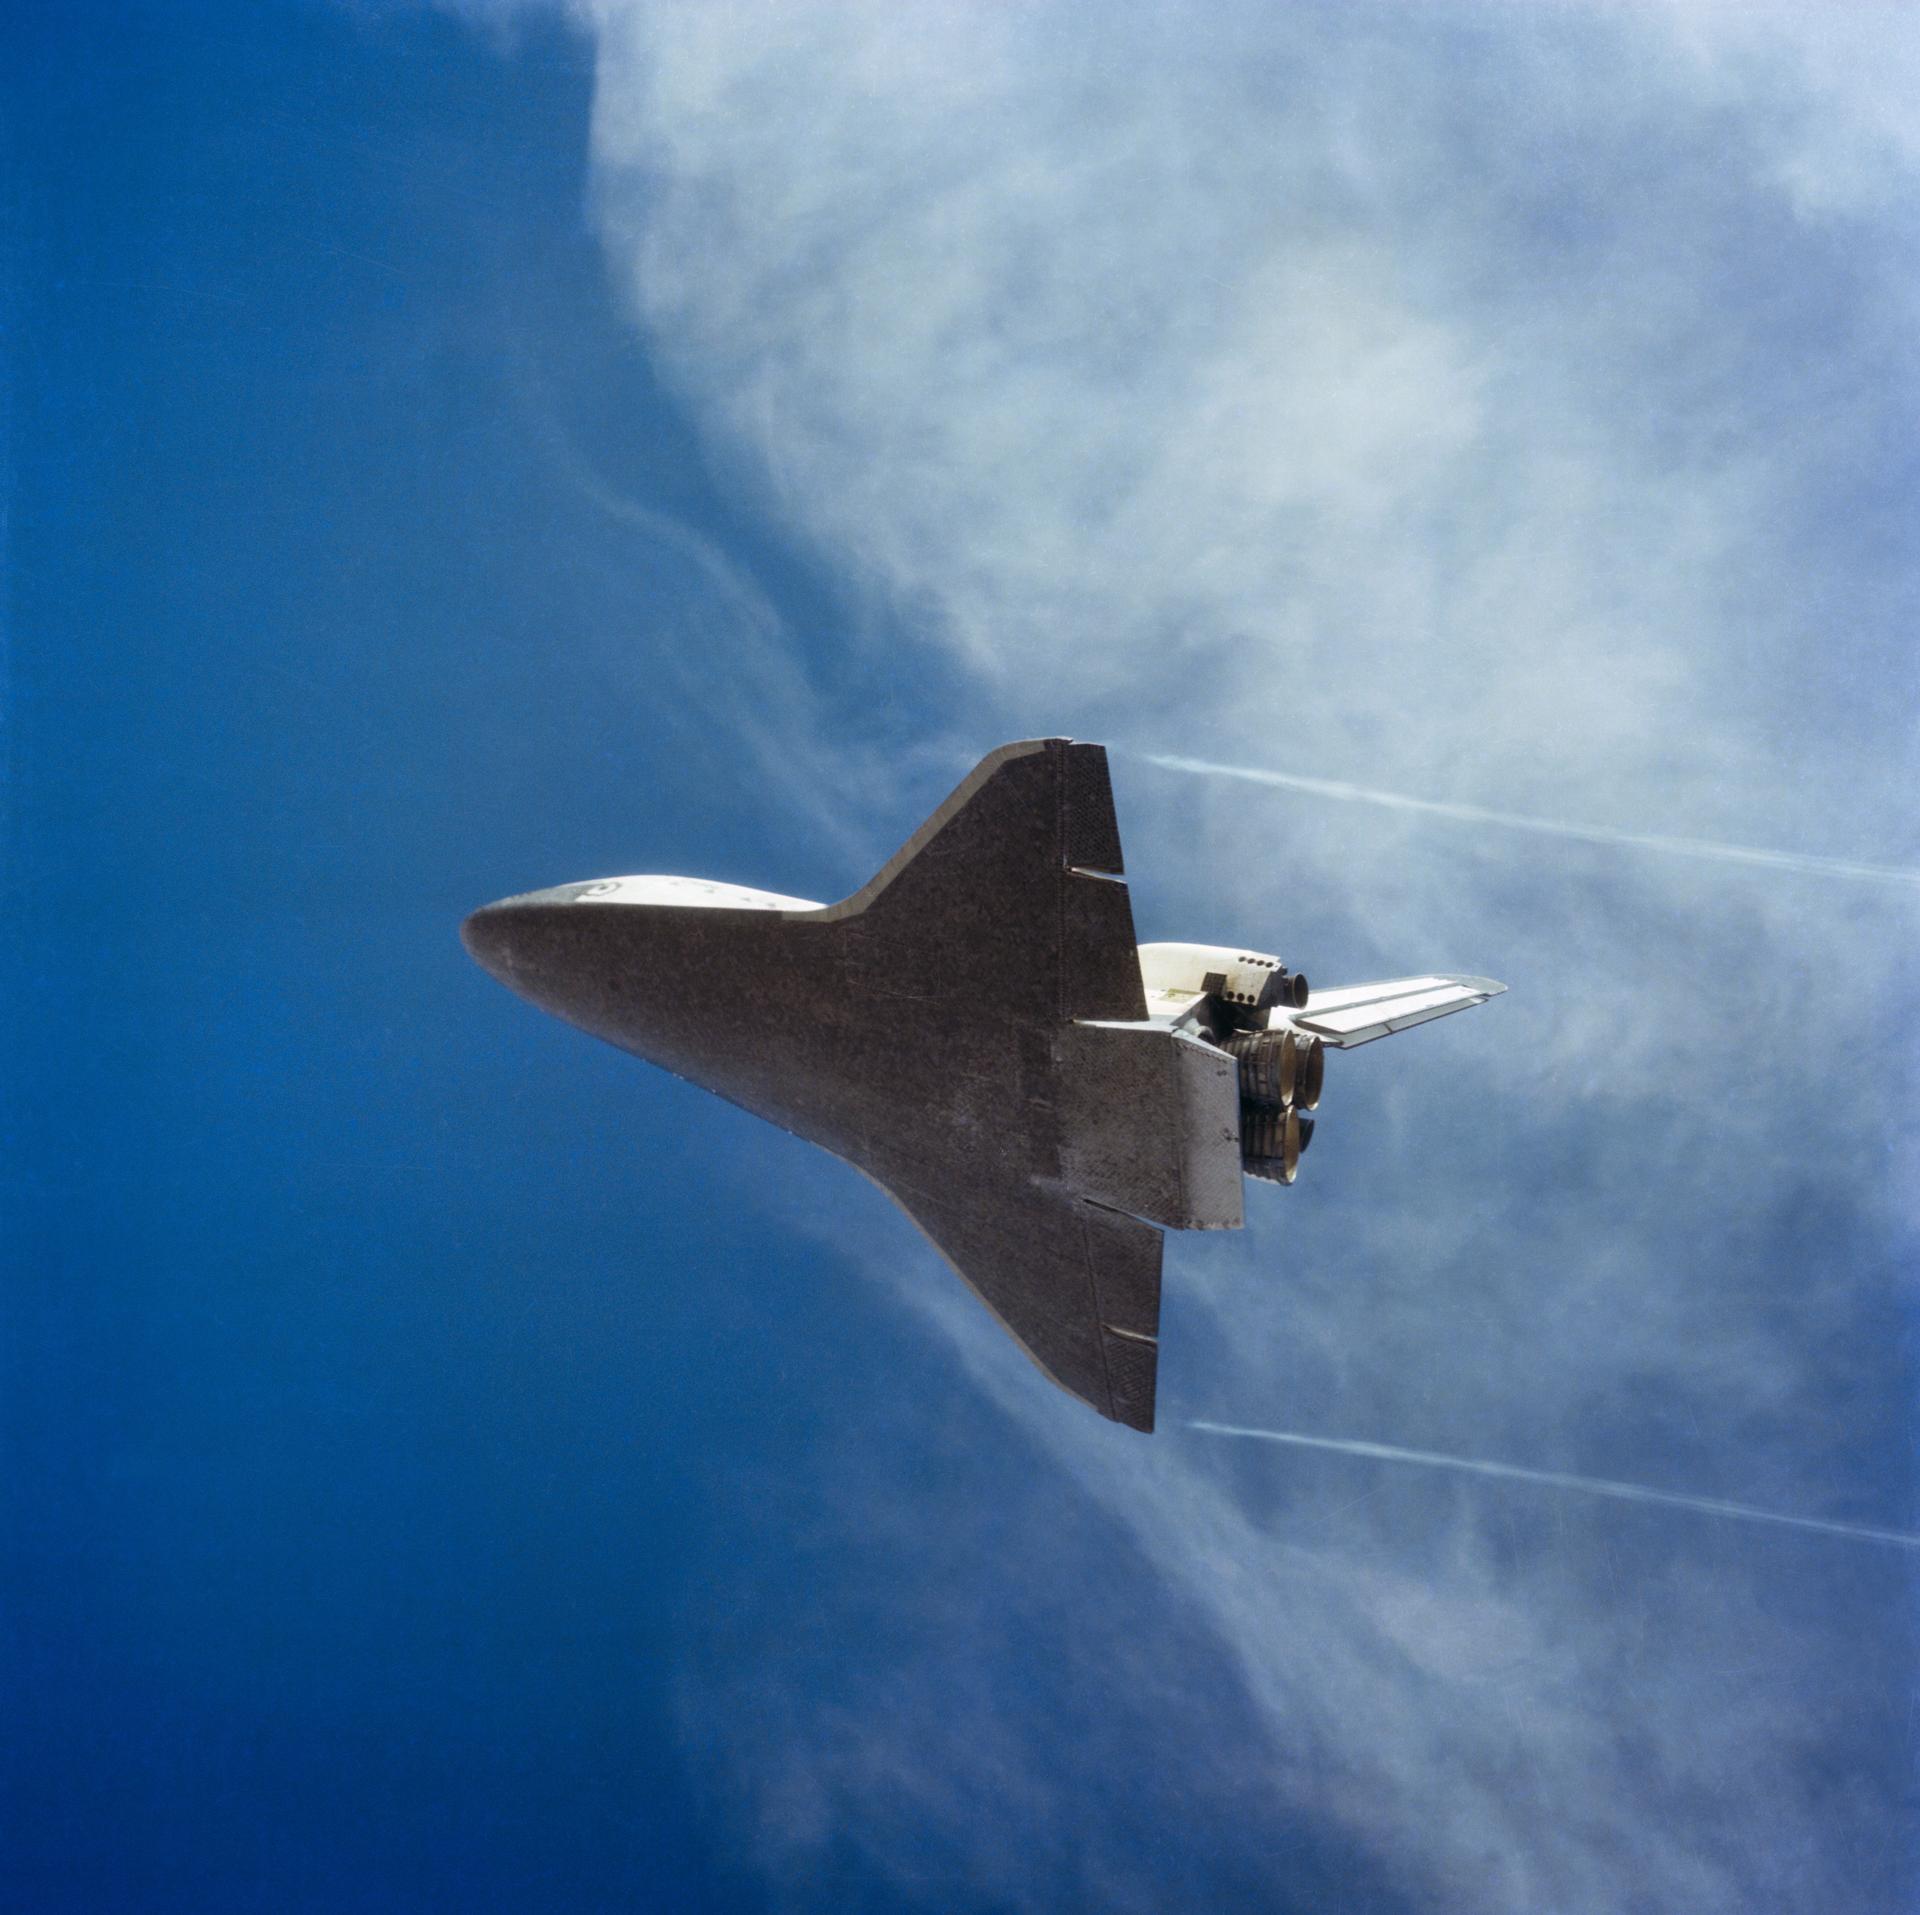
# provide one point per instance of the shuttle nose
(503, 937)
(489, 937)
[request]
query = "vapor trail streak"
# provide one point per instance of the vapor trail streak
(1801, 861)
(1554, 1479)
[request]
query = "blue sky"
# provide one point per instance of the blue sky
(452, 452)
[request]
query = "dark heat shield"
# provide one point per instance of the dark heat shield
(968, 1029)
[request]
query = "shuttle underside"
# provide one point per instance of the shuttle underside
(978, 1031)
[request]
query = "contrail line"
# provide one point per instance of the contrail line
(1805, 862)
(1555, 1479)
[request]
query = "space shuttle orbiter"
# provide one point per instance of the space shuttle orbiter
(977, 1030)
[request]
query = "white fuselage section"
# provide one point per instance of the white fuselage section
(691, 893)
(1177, 976)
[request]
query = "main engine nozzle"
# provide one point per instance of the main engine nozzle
(1271, 1142)
(1279, 1069)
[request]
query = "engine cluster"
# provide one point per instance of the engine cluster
(1281, 1073)
(1231, 998)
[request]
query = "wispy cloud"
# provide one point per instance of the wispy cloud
(1807, 863)
(1565, 1480)
(1505, 403)
(729, 655)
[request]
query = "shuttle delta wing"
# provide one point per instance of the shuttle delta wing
(1002, 935)
(1077, 1285)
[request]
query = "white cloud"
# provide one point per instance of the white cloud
(1842, 78)
(1497, 406)
(1136, 365)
